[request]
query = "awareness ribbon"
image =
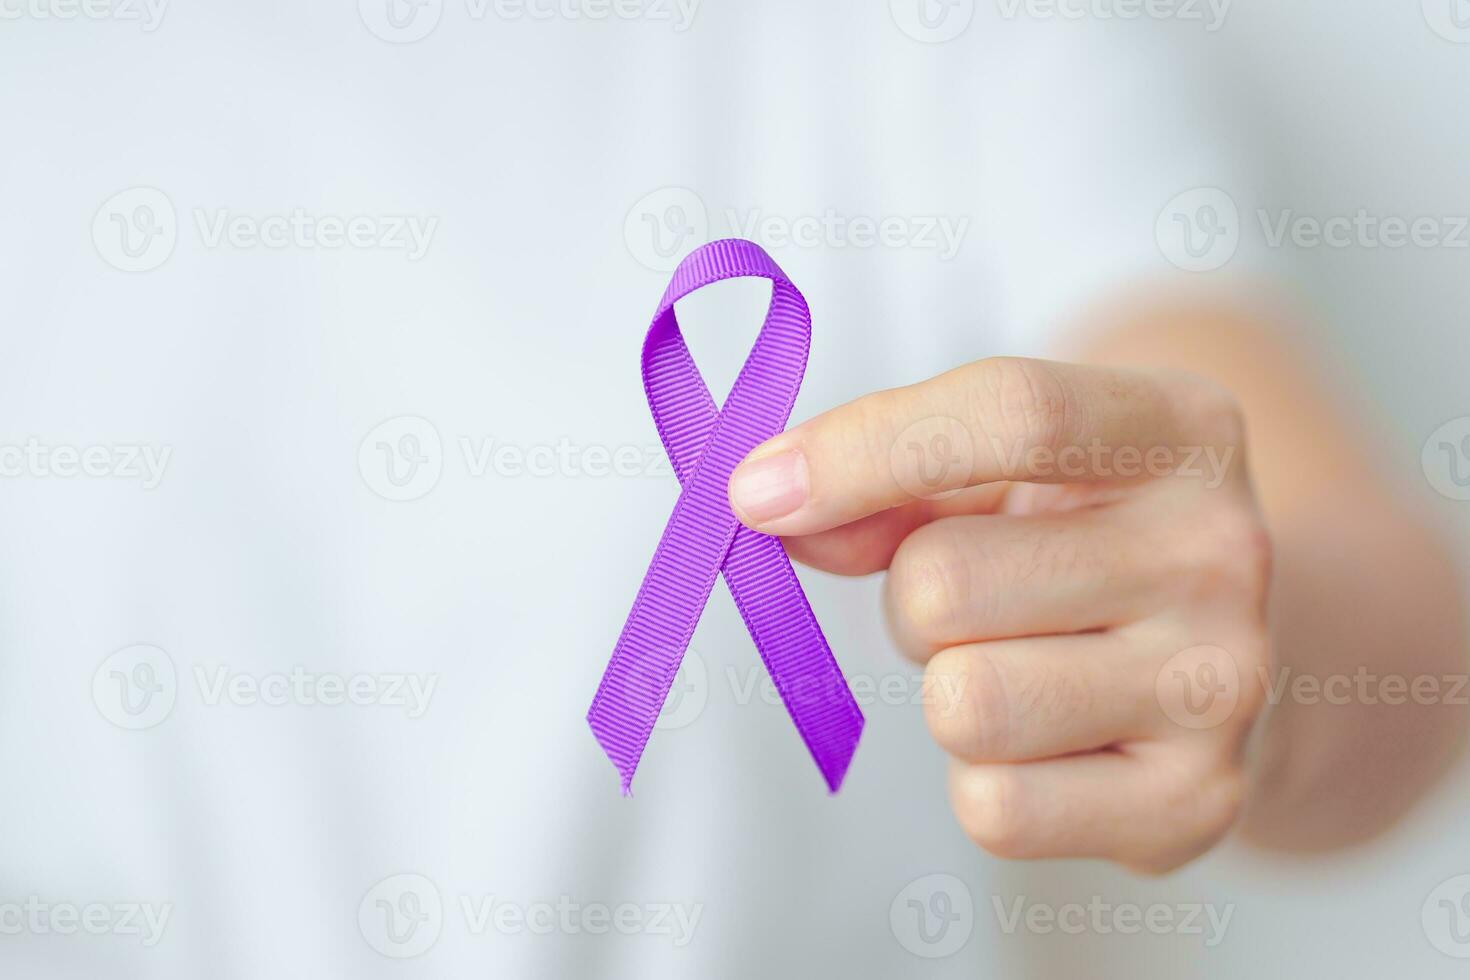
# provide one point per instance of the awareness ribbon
(703, 537)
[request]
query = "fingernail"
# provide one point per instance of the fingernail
(770, 487)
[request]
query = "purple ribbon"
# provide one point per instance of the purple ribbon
(703, 537)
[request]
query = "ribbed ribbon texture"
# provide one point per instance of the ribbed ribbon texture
(703, 538)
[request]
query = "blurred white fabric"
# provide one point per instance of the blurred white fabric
(549, 167)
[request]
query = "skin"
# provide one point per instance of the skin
(1086, 598)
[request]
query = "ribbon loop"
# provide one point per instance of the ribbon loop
(703, 538)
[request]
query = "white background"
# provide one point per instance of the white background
(269, 545)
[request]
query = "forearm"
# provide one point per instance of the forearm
(1363, 592)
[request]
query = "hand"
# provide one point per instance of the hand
(1080, 551)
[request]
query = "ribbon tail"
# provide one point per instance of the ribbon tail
(785, 630)
(658, 630)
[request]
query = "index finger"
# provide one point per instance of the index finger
(999, 419)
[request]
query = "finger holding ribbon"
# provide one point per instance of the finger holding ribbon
(1077, 553)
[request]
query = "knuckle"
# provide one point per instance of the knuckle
(989, 805)
(974, 719)
(1255, 662)
(1212, 408)
(1058, 554)
(1220, 802)
(852, 436)
(1229, 551)
(1022, 400)
(927, 581)
(1209, 800)
(1242, 538)
(1046, 695)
